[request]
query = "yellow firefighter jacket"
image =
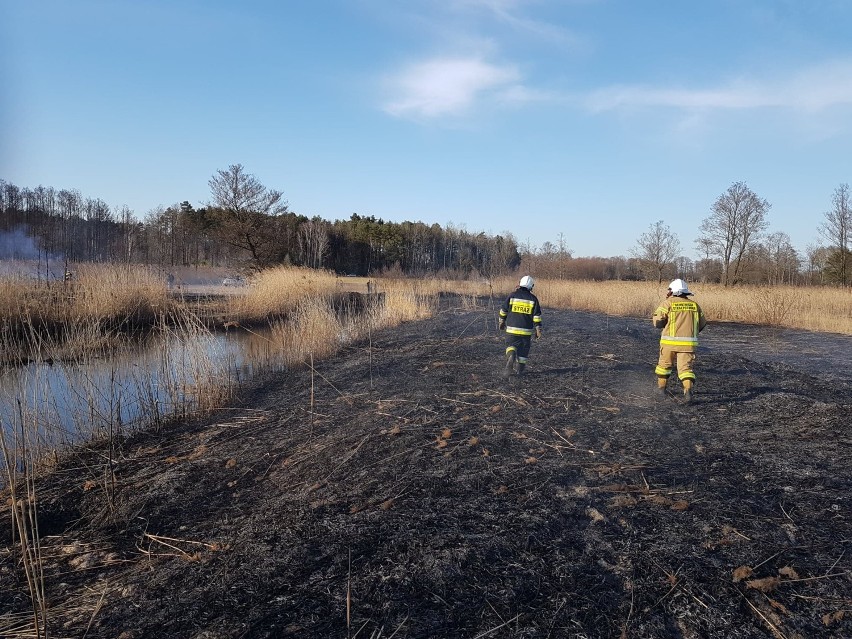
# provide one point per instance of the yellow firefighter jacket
(681, 320)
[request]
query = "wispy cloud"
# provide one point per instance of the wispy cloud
(451, 87)
(457, 86)
(813, 89)
(510, 13)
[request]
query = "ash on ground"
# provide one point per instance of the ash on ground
(404, 489)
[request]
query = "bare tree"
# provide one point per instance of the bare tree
(313, 241)
(817, 262)
(246, 212)
(735, 224)
(126, 245)
(837, 230)
(656, 249)
(782, 260)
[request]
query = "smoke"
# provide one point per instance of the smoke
(17, 245)
(20, 256)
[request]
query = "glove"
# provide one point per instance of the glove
(538, 332)
(501, 324)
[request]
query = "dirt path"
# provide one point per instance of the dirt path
(405, 490)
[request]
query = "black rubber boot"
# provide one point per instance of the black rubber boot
(511, 356)
(521, 368)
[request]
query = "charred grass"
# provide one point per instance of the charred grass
(403, 489)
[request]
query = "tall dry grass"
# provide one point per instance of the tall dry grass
(278, 291)
(633, 299)
(406, 300)
(83, 315)
(102, 292)
(18, 461)
(317, 327)
(127, 293)
(311, 315)
(812, 308)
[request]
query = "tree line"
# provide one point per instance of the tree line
(736, 248)
(248, 226)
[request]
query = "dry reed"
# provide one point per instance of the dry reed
(278, 291)
(118, 292)
(406, 300)
(96, 292)
(19, 459)
(79, 316)
(812, 308)
(315, 327)
(816, 308)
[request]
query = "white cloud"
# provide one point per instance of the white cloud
(814, 89)
(449, 86)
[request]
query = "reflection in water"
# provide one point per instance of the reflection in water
(66, 402)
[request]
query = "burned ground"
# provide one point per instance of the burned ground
(404, 489)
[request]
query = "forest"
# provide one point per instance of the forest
(248, 227)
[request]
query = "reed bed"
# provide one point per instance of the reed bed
(101, 292)
(278, 291)
(816, 308)
(407, 300)
(71, 319)
(123, 293)
(633, 299)
(313, 329)
(812, 308)
(312, 314)
(317, 327)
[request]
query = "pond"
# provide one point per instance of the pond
(143, 385)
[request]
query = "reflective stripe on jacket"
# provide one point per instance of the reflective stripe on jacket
(522, 312)
(681, 320)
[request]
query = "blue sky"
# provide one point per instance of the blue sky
(591, 119)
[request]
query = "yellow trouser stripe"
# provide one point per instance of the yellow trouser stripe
(679, 341)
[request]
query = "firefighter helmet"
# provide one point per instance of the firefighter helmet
(527, 282)
(679, 287)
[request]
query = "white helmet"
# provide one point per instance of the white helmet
(679, 287)
(527, 282)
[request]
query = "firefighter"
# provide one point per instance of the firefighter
(520, 317)
(681, 320)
